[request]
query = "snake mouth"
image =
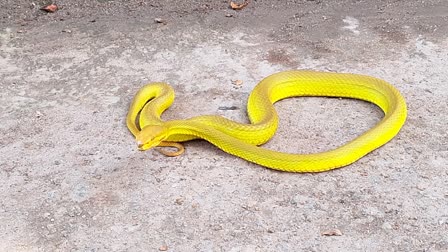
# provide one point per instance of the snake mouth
(140, 146)
(146, 146)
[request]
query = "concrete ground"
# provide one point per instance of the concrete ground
(72, 178)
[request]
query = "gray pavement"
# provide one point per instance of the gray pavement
(72, 178)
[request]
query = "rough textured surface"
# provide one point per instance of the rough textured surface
(73, 180)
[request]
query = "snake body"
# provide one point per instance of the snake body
(242, 139)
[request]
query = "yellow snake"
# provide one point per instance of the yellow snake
(241, 140)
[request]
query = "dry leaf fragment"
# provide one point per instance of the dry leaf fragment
(332, 232)
(179, 201)
(50, 8)
(238, 6)
(237, 82)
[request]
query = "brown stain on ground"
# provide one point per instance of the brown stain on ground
(281, 57)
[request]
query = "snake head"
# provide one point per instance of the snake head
(151, 136)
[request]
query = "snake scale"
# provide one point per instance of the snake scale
(242, 140)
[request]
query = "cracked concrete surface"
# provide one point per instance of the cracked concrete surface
(73, 180)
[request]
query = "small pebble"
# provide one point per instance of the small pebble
(39, 114)
(228, 108)
(422, 186)
(159, 21)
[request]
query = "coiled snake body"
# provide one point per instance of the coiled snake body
(242, 139)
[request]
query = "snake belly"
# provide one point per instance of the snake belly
(241, 139)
